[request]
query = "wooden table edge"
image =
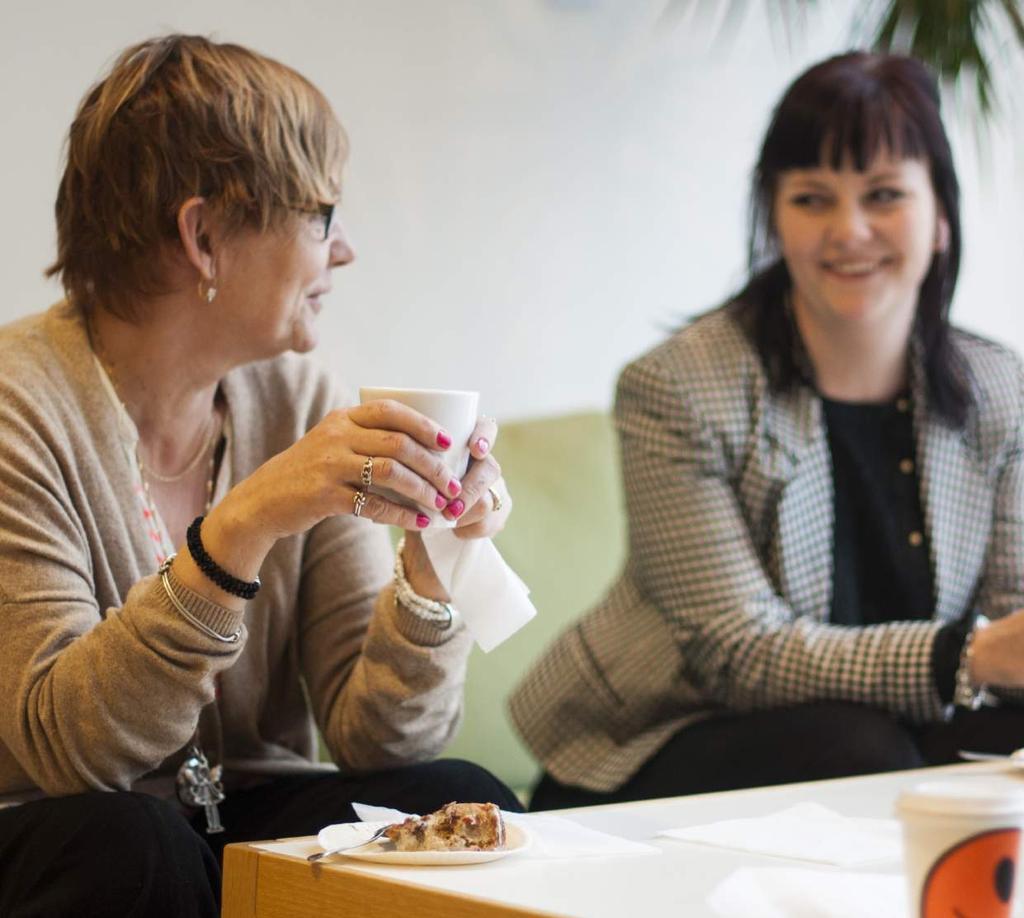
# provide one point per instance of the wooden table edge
(369, 895)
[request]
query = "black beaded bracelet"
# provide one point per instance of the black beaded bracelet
(241, 588)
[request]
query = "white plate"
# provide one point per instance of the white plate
(381, 852)
(1015, 758)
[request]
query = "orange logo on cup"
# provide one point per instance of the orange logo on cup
(973, 878)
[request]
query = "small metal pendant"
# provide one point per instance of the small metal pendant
(200, 785)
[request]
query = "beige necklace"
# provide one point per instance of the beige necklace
(198, 784)
(145, 474)
(205, 445)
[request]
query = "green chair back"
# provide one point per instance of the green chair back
(566, 539)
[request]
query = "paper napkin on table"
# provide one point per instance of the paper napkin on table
(789, 892)
(807, 831)
(554, 836)
(551, 836)
(488, 594)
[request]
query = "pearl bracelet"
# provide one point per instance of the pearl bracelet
(440, 614)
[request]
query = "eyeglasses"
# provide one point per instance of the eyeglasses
(327, 211)
(324, 214)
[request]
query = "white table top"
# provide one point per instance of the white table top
(678, 881)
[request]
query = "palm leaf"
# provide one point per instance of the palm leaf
(956, 38)
(950, 36)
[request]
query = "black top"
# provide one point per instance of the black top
(881, 567)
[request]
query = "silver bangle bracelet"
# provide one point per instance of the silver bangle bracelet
(188, 616)
(440, 614)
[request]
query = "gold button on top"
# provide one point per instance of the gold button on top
(903, 404)
(915, 538)
(906, 466)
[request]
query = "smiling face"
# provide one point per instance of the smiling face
(975, 879)
(270, 284)
(858, 244)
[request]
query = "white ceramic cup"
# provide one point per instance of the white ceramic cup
(455, 410)
(960, 846)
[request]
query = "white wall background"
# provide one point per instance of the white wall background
(537, 188)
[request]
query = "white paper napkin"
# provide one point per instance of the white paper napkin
(488, 594)
(807, 831)
(552, 836)
(555, 837)
(777, 892)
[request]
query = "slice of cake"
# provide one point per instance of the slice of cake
(454, 827)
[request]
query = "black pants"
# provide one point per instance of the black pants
(128, 854)
(805, 743)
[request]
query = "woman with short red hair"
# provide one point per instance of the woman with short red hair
(190, 583)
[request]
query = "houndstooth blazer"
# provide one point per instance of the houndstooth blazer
(724, 601)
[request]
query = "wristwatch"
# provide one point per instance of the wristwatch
(965, 693)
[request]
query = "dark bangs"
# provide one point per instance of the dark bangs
(848, 110)
(852, 120)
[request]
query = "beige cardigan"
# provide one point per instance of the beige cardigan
(102, 681)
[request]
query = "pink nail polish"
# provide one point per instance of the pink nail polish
(422, 520)
(457, 507)
(443, 440)
(440, 502)
(483, 445)
(454, 487)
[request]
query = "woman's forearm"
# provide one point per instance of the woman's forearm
(233, 538)
(420, 572)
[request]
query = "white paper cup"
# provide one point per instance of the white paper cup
(455, 410)
(960, 847)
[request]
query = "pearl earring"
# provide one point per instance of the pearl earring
(210, 293)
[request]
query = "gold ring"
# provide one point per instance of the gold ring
(366, 475)
(358, 502)
(495, 500)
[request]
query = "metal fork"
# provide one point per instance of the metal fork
(372, 838)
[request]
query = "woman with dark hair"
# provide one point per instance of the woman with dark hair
(825, 489)
(161, 454)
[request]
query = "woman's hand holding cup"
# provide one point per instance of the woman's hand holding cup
(474, 511)
(325, 472)
(382, 460)
(483, 507)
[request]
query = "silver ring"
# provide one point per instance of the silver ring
(366, 475)
(495, 500)
(358, 502)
